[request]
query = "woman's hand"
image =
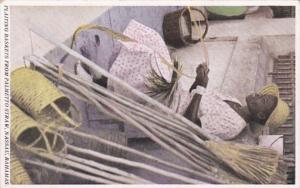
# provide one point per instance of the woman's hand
(202, 76)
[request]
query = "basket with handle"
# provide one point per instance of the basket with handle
(175, 22)
(40, 98)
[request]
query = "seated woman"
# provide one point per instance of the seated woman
(143, 65)
(225, 117)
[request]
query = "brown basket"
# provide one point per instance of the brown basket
(283, 11)
(172, 27)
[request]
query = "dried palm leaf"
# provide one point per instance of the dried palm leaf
(160, 89)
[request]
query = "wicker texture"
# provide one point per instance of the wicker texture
(18, 173)
(33, 92)
(283, 11)
(172, 28)
(20, 123)
(281, 112)
(27, 133)
(39, 97)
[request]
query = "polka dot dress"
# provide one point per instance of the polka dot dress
(135, 59)
(134, 63)
(217, 117)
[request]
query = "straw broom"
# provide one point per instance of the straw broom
(257, 174)
(264, 170)
(258, 164)
(250, 162)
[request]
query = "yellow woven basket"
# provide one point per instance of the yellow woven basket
(40, 98)
(18, 173)
(28, 134)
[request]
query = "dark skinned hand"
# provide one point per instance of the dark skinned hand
(191, 112)
(202, 76)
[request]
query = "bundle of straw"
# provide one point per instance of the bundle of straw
(208, 154)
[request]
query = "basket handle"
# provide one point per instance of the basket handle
(42, 137)
(121, 37)
(202, 35)
(203, 46)
(66, 117)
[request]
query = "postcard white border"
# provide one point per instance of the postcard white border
(162, 3)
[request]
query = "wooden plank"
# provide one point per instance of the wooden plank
(239, 80)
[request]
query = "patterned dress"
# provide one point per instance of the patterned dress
(134, 64)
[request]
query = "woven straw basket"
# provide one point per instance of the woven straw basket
(26, 133)
(39, 97)
(173, 27)
(18, 173)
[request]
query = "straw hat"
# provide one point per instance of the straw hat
(281, 111)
